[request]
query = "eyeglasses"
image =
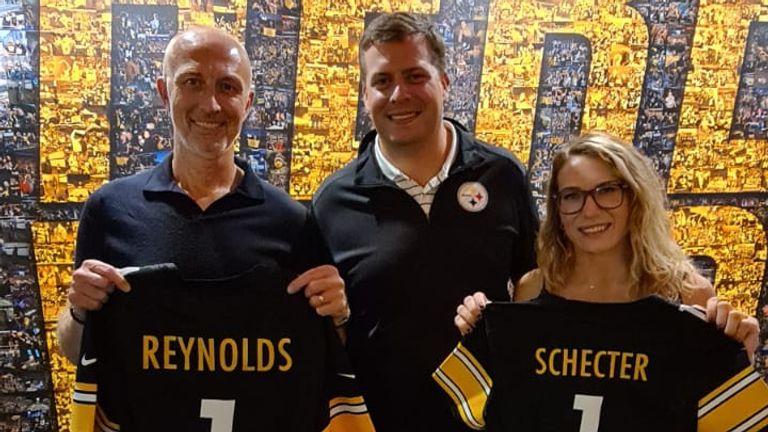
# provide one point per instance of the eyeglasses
(607, 196)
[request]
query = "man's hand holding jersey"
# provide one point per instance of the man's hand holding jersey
(94, 280)
(325, 290)
(92, 283)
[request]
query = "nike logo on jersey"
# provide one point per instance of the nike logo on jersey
(345, 375)
(373, 330)
(86, 361)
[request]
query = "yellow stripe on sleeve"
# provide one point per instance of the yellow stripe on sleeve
(467, 383)
(759, 426)
(83, 408)
(724, 386)
(476, 364)
(354, 400)
(104, 423)
(349, 414)
(739, 405)
(85, 387)
(82, 417)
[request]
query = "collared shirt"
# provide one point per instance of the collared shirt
(426, 194)
(146, 219)
(161, 180)
(395, 262)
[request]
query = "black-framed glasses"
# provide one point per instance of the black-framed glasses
(607, 196)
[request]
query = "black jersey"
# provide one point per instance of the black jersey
(558, 365)
(236, 354)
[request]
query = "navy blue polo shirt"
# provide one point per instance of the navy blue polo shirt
(147, 219)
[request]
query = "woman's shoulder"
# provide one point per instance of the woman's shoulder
(530, 286)
(700, 290)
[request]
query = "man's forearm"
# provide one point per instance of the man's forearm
(69, 333)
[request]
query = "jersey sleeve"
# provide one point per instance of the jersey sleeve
(739, 404)
(87, 415)
(347, 411)
(84, 393)
(465, 380)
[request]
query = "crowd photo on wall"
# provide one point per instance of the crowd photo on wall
(388, 215)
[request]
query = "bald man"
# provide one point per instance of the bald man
(201, 209)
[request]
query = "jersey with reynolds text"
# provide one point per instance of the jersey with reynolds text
(236, 354)
(557, 365)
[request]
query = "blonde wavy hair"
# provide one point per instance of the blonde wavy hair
(657, 264)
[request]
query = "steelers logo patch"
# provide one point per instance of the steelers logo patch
(472, 197)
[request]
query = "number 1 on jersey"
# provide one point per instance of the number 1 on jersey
(221, 413)
(590, 407)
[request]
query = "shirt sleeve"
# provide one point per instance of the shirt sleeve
(86, 414)
(310, 249)
(523, 256)
(739, 401)
(90, 233)
(465, 380)
(739, 404)
(347, 409)
(84, 400)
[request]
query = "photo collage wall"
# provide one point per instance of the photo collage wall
(686, 81)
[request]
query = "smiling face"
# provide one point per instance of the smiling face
(206, 87)
(404, 91)
(594, 230)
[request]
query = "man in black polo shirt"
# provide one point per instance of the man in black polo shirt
(201, 209)
(424, 216)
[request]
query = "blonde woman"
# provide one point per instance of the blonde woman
(606, 238)
(602, 345)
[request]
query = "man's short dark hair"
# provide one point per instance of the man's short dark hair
(396, 27)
